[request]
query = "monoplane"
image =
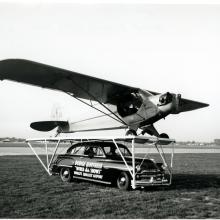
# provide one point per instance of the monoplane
(131, 107)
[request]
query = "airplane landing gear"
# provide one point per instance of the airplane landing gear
(151, 130)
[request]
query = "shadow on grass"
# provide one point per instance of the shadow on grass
(195, 181)
(180, 181)
(190, 181)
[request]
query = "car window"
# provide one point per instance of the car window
(79, 150)
(112, 150)
(95, 151)
(124, 151)
(107, 150)
(89, 150)
(99, 152)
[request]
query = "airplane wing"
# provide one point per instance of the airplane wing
(80, 85)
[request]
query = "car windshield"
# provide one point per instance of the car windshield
(78, 150)
(113, 151)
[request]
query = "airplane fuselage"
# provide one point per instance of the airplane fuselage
(152, 109)
(137, 111)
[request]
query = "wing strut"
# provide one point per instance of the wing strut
(92, 106)
(94, 98)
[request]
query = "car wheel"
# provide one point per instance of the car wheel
(123, 181)
(65, 174)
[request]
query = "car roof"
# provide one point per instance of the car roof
(101, 143)
(92, 143)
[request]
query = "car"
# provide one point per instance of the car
(101, 161)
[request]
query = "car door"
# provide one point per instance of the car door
(89, 165)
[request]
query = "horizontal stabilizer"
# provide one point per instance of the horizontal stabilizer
(48, 125)
(188, 105)
(96, 129)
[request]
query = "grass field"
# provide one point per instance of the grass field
(26, 191)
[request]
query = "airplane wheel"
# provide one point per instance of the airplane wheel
(164, 135)
(65, 174)
(123, 181)
(131, 132)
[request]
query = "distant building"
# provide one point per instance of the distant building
(217, 141)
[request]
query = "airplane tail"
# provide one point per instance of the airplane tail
(49, 125)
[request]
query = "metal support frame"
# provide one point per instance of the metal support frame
(42, 163)
(169, 166)
(47, 165)
(126, 164)
(131, 169)
(133, 164)
(162, 156)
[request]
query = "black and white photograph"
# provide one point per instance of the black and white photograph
(109, 109)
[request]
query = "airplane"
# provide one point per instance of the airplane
(131, 107)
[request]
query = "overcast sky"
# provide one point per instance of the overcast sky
(162, 48)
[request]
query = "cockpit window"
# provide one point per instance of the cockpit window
(129, 105)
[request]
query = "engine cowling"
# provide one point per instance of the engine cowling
(165, 99)
(169, 103)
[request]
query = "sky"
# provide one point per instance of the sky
(161, 48)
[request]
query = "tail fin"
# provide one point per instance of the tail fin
(49, 125)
